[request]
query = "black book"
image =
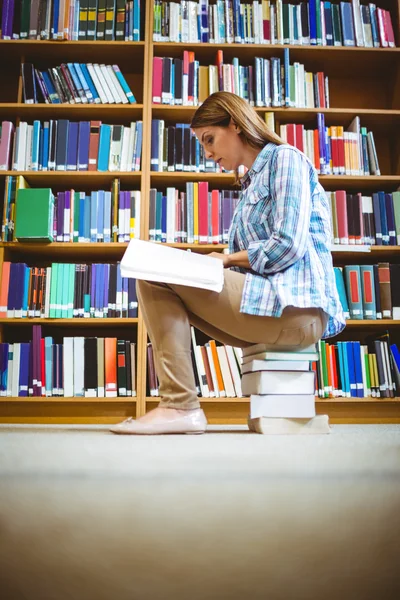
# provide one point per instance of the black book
(179, 148)
(83, 19)
(91, 20)
(110, 20)
(328, 24)
(395, 290)
(101, 20)
(120, 21)
(29, 83)
(52, 73)
(171, 148)
(53, 125)
(166, 94)
(191, 81)
(121, 368)
(178, 63)
(377, 293)
(193, 152)
(111, 291)
(186, 149)
(128, 369)
(64, 86)
(90, 372)
(62, 145)
(356, 200)
(132, 299)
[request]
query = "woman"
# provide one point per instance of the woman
(279, 285)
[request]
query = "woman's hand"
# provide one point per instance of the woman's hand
(221, 256)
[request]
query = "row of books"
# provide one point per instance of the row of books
(196, 216)
(63, 145)
(216, 370)
(273, 22)
(71, 20)
(357, 370)
(80, 367)
(268, 82)
(176, 148)
(369, 291)
(334, 151)
(66, 291)
(100, 216)
(370, 220)
(76, 83)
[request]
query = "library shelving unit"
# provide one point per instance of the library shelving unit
(362, 81)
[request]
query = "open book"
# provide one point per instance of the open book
(156, 262)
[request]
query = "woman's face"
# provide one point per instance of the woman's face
(222, 144)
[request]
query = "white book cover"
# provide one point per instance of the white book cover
(118, 87)
(276, 382)
(22, 141)
(97, 84)
(79, 366)
(110, 84)
(171, 212)
(133, 368)
(125, 149)
(103, 84)
(292, 406)
(68, 367)
(275, 365)
(10, 365)
(100, 368)
(156, 262)
(226, 373)
(237, 382)
(201, 372)
(137, 214)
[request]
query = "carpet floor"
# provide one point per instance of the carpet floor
(85, 514)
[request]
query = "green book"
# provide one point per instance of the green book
(71, 291)
(34, 215)
(53, 291)
(337, 30)
(77, 203)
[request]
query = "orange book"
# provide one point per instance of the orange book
(110, 365)
(217, 367)
(5, 278)
(317, 163)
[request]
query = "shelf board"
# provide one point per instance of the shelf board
(75, 399)
(367, 400)
(370, 117)
(68, 322)
(111, 250)
(373, 323)
(90, 51)
(111, 112)
(70, 178)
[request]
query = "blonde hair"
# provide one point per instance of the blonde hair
(218, 110)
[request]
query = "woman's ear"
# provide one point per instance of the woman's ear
(236, 128)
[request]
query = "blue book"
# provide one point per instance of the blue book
(62, 145)
(100, 216)
(119, 292)
(138, 147)
(25, 299)
(321, 140)
(87, 211)
(83, 145)
(136, 20)
(396, 355)
(106, 287)
(104, 148)
(35, 146)
(23, 370)
(41, 148)
(349, 38)
(124, 85)
(72, 150)
(84, 83)
(92, 87)
(358, 369)
(107, 217)
(328, 23)
(164, 219)
(312, 12)
(384, 221)
(390, 219)
(374, 25)
(48, 357)
(342, 291)
(81, 234)
(368, 291)
(94, 271)
(93, 216)
(45, 158)
(287, 76)
(50, 88)
(56, 10)
(77, 82)
(351, 369)
(353, 286)
(99, 291)
(377, 219)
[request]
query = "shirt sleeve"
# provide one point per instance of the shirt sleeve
(290, 193)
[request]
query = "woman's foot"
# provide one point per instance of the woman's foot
(164, 420)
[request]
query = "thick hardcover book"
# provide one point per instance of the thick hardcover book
(34, 215)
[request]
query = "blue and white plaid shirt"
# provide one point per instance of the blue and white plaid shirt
(283, 221)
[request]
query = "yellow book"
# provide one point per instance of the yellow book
(21, 184)
(203, 84)
(114, 204)
(347, 154)
(270, 120)
(196, 213)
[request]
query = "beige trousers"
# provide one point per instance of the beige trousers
(169, 310)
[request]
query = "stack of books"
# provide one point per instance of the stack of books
(281, 386)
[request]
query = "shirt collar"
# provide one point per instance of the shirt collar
(261, 159)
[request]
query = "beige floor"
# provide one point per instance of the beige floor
(85, 514)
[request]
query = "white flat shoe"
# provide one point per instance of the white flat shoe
(163, 421)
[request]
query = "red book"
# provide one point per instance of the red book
(203, 212)
(321, 89)
(299, 136)
(94, 144)
(334, 151)
(291, 134)
(389, 29)
(340, 148)
(317, 163)
(215, 216)
(5, 278)
(157, 80)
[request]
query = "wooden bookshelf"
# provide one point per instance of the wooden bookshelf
(362, 81)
